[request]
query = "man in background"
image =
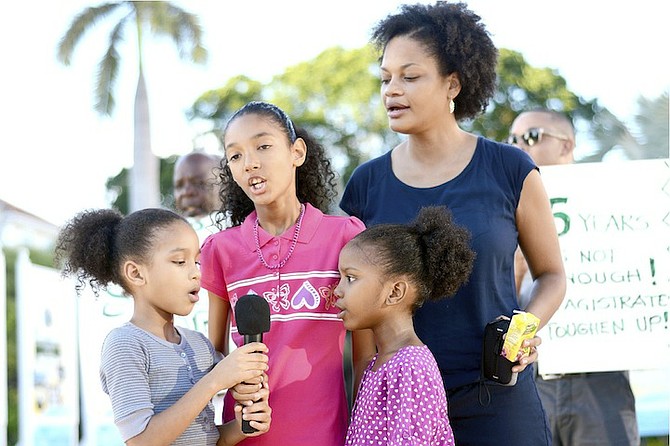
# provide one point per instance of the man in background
(596, 408)
(195, 184)
(196, 196)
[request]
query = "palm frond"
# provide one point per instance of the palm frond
(182, 27)
(79, 26)
(653, 122)
(108, 71)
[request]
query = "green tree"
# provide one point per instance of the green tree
(163, 19)
(524, 87)
(117, 186)
(217, 105)
(335, 96)
(12, 363)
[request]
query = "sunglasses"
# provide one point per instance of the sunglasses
(533, 136)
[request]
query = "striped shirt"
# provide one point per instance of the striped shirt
(144, 375)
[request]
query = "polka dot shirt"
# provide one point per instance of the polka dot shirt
(401, 403)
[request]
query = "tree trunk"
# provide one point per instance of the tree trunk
(144, 174)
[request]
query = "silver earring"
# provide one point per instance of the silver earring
(452, 106)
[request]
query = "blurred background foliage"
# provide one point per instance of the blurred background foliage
(336, 97)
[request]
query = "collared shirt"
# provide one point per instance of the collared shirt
(306, 339)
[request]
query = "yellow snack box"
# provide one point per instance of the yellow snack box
(522, 326)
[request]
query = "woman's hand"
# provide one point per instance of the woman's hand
(532, 355)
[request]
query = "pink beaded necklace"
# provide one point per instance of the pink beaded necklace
(294, 241)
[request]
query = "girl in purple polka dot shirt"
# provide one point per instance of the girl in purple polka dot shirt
(387, 272)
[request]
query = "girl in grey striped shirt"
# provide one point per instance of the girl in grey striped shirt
(160, 378)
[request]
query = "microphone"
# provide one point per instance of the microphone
(252, 314)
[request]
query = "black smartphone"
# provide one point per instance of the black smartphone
(495, 366)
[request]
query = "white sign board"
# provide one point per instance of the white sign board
(54, 325)
(613, 221)
(98, 315)
(46, 317)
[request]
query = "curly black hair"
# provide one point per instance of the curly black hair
(316, 180)
(432, 251)
(458, 41)
(95, 243)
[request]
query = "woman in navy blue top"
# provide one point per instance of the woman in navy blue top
(438, 67)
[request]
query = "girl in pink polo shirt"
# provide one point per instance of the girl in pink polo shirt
(388, 271)
(277, 183)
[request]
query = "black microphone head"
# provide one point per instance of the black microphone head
(252, 314)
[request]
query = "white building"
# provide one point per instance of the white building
(20, 228)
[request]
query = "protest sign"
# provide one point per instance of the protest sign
(613, 221)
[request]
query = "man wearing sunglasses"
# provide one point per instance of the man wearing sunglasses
(596, 408)
(550, 140)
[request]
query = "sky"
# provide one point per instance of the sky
(56, 153)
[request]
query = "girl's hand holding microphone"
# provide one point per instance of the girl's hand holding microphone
(246, 363)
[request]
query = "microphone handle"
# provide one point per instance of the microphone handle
(249, 338)
(246, 427)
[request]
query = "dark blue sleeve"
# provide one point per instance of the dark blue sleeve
(517, 164)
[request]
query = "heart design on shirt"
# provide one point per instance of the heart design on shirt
(306, 296)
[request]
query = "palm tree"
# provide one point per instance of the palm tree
(162, 18)
(646, 139)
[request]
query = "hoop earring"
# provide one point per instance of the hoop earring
(452, 106)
